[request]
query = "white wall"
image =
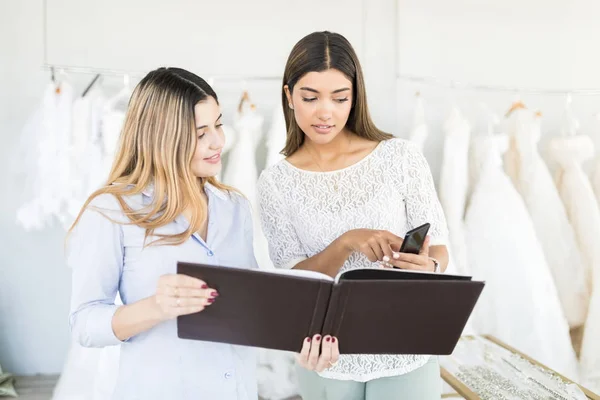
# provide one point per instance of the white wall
(536, 44)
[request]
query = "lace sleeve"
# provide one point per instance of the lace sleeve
(422, 203)
(285, 249)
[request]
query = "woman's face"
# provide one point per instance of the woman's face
(210, 139)
(322, 102)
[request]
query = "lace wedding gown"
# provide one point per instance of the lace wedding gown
(46, 137)
(454, 185)
(533, 181)
(520, 303)
(582, 208)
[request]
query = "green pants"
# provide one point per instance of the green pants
(421, 384)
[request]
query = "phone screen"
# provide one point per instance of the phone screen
(413, 241)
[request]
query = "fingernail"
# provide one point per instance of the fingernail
(332, 340)
(205, 286)
(308, 339)
(327, 339)
(386, 259)
(214, 294)
(211, 300)
(396, 256)
(317, 338)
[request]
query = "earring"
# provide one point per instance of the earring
(291, 106)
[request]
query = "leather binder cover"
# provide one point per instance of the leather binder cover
(256, 308)
(370, 311)
(383, 312)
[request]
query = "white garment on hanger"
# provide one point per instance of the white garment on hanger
(276, 138)
(241, 172)
(419, 131)
(454, 184)
(596, 180)
(520, 303)
(86, 152)
(532, 179)
(570, 152)
(49, 177)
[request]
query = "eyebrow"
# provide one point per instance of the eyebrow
(316, 91)
(204, 126)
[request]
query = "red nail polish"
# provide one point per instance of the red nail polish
(204, 286)
(327, 339)
(211, 300)
(214, 294)
(317, 338)
(308, 339)
(332, 340)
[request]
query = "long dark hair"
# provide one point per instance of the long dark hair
(319, 52)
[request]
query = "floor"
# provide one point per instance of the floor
(40, 387)
(35, 387)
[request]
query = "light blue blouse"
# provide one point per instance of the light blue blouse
(107, 257)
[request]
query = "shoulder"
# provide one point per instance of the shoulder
(233, 202)
(400, 146)
(269, 176)
(109, 206)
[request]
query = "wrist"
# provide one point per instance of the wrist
(154, 312)
(345, 243)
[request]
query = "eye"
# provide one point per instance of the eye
(342, 100)
(218, 126)
(308, 100)
(201, 136)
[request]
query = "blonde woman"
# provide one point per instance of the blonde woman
(343, 198)
(161, 205)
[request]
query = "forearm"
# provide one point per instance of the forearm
(135, 318)
(330, 260)
(440, 253)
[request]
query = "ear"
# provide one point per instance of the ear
(288, 94)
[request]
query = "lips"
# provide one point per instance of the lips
(322, 128)
(213, 159)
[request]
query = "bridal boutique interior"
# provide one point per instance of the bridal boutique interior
(503, 98)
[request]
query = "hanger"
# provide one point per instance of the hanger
(516, 105)
(122, 95)
(87, 89)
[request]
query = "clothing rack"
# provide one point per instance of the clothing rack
(452, 84)
(139, 74)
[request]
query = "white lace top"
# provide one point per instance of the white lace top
(302, 212)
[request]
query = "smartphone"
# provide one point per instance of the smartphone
(414, 239)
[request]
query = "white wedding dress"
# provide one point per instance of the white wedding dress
(419, 132)
(532, 179)
(570, 152)
(276, 138)
(46, 136)
(520, 303)
(454, 185)
(596, 180)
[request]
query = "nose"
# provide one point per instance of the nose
(324, 111)
(217, 140)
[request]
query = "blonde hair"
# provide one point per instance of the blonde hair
(156, 147)
(318, 52)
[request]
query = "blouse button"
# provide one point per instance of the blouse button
(210, 253)
(228, 375)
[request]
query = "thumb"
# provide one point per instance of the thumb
(425, 248)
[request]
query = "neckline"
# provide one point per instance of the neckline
(356, 164)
